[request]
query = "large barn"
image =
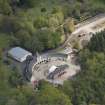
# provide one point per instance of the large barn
(19, 54)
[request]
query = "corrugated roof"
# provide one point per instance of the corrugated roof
(18, 52)
(53, 68)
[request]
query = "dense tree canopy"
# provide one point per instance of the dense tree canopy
(20, 17)
(88, 86)
(5, 7)
(49, 95)
(35, 25)
(97, 42)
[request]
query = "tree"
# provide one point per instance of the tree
(29, 3)
(97, 42)
(23, 36)
(76, 11)
(49, 95)
(5, 7)
(40, 22)
(85, 86)
(56, 18)
(16, 79)
(69, 26)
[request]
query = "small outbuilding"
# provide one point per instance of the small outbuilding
(19, 54)
(52, 69)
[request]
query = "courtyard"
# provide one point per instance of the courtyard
(40, 69)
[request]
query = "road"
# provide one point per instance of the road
(80, 28)
(95, 18)
(39, 72)
(87, 28)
